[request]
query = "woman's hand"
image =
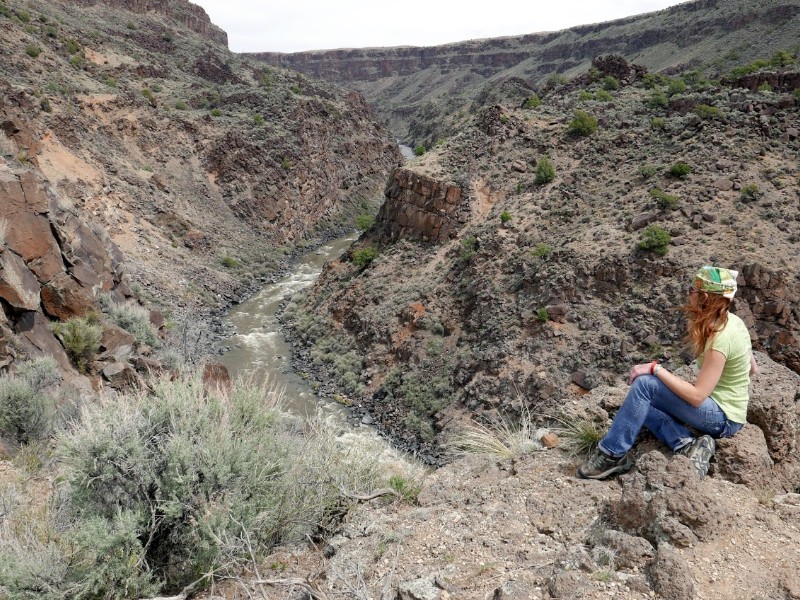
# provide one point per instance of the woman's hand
(643, 369)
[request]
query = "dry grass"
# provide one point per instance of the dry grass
(504, 438)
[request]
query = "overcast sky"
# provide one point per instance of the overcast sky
(295, 25)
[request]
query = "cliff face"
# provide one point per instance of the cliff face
(205, 169)
(405, 83)
(189, 15)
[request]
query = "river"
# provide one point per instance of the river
(258, 348)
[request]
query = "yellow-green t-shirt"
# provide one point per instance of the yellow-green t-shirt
(732, 391)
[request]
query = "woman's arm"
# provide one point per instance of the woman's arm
(693, 393)
(753, 365)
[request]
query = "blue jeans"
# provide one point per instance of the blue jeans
(650, 403)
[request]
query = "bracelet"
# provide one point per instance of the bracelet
(657, 369)
(653, 366)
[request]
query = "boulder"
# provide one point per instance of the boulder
(116, 341)
(89, 263)
(63, 298)
(18, 286)
(36, 339)
(775, 409)
(745, 458)
(665, 501)
(672, 576)
(119, 375)
(630, 551)
(216, 377)
(24, 208)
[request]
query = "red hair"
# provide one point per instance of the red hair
(705, 318)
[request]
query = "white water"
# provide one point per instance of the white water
(258, 348)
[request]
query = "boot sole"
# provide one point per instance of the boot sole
(623, 468)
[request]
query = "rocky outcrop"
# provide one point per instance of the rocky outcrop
(51, 264)
(187, 14)
(420, 207)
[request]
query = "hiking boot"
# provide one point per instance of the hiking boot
(600, 465)
(700, 452)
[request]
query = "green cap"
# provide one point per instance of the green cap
(716, 280)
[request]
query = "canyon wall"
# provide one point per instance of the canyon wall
(189, 15)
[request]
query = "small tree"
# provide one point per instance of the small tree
(680, 169)
(582, 124)
(610, 83)
(532, 102)
(420, 150)
(363, 256)
(665, 201)
(545, 171)
(364, 221)
(655, 239)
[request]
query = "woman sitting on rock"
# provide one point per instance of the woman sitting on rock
(715, 404)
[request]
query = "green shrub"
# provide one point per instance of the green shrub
(111, 82)
(505, 217)
(363, 256)
(782, 58)
(72, 46)
(286, 163)
(658, 123)
(610, 83)
(80, 337)
(26, 413)
(647, 171)
(585, 95)
(296, 89)
(749, 192)
(23, 16)
(675, 86)
(665, 201)
(542, 250)
(5, 11)
(765, 87)
(754, 66)
(76, 61)
(545, 171)
(39, 372)
(364, 221)
(603, 96)
(182, 484)
(133, 318)
(147, 93)
(653, 80)
(655, 239)
(533, 102)
(542, 315)
(216, 112)
(419, 150)
(229, 262)
(680, 169)
(658, 99)
(258, 120)
(33, 51)
(470, 245)
(704, 111)
(180, 105)
(582, 124)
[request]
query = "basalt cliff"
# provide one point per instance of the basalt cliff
(419, 91)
